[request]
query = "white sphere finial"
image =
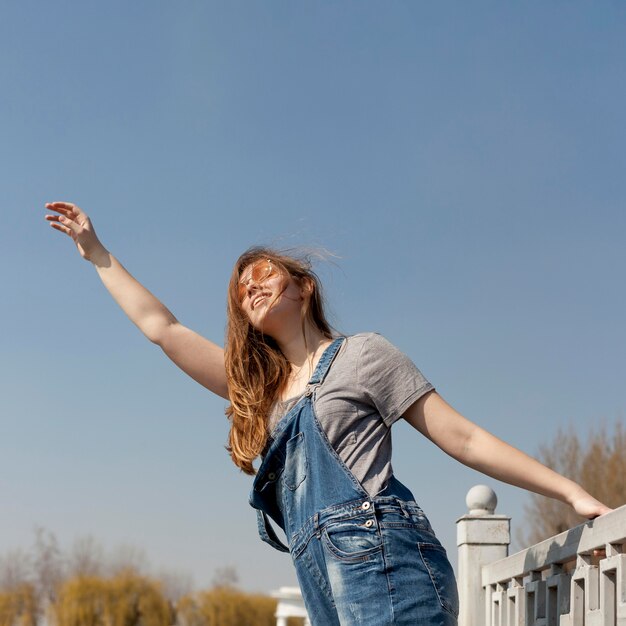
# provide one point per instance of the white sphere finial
(481, 500)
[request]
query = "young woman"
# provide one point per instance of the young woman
(317, 408)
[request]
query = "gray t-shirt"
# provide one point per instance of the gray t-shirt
(369, 386)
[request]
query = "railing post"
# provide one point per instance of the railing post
(482, 537)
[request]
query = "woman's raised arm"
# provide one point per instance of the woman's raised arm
(475, 447)
(196, 356)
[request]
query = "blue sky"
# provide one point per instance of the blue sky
(463, 162)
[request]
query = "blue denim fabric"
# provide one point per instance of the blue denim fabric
(359, 560)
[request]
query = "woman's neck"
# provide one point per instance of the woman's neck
(303, 357)
(300, 347)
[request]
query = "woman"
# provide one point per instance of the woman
(318, 409)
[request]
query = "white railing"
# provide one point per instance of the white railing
(577, 578)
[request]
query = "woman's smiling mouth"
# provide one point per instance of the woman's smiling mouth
(259, 299)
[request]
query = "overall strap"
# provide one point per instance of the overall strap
(267, 533)
(323, 365)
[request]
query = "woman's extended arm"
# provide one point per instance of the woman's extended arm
(475, 447)
(198, 357)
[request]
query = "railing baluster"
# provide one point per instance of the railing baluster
(558, 594)
(536, 593)
(578, 601)
(516, 605)
(498, 604)
(613, 588)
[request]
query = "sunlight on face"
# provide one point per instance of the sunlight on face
(270, 298)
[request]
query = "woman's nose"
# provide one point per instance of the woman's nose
(252, 285)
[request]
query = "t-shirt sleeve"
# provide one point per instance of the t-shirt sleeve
(388, 378)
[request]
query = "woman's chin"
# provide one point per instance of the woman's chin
(260, 324)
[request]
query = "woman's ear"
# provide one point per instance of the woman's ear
(306, 288)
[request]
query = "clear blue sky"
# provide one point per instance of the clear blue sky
(464, 161)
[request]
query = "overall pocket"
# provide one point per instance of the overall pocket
(352, 540)
(441, 574)
(296, 462)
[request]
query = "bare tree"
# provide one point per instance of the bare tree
(15, 568)
(48, 565)
(127, 558)
(597, 462)
(175, 585)
(86, 557)
(226, 577)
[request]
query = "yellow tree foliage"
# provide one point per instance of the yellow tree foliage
(18, 606)
(598, 463)
(127, 599)
(226, 606)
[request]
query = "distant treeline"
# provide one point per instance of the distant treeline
(129, 599)
(82, 589)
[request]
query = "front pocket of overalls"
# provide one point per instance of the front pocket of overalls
(295, 462)
(441, 574)
(352, 540)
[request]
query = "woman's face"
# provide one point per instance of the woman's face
(270, 298)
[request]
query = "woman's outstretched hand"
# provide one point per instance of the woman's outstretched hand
(76, 224)
(587, 506)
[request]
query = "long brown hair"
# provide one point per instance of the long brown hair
(256, 369)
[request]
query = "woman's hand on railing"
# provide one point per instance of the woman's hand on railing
(587, 506)
(76, 224)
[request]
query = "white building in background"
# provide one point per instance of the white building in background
(290, 604)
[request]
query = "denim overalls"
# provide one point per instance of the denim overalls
(359, 559)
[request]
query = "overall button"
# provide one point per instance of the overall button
(369, 523)
(271, 476)
(365, 506)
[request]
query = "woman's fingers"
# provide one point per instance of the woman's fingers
(60, 222)
(69, 223)
(66, 208)
(69, 213)
(61, 205)
(587, 506)
(64, 224)
(71, 220)
(63, 229)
